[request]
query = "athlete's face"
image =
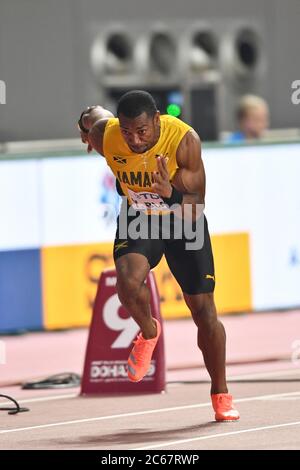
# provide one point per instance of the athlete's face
(140, 133)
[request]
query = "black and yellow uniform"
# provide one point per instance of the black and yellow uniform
(193, 269)
(134, 171)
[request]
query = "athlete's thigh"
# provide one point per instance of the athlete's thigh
(193, 269)
(133, 267)
(151, 249)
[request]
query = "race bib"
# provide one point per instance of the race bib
(147, 201)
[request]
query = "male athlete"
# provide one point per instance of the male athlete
(160, 155)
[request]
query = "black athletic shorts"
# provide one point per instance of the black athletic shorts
(192, 268)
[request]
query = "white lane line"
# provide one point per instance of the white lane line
(262, 375)
(285, 398)
(214, 436)
(258, 375)
(41, 399)
(140, 413)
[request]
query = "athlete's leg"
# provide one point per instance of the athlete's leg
(194, 271)
(134, 257)
(211, 338)
(132, 270)
(211, 341)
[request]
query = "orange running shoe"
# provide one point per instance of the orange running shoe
(224, 408)
(141, 354)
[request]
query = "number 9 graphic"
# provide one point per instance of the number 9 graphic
(127, 326)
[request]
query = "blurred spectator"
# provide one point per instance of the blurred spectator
(252, 117)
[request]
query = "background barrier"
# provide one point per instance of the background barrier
(58, 224)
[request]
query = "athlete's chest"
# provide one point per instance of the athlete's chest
(143, 162)
(140, 167)
(137, 172)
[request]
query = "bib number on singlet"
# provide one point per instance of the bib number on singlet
(145, 201)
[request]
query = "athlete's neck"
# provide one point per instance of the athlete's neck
(157, 135)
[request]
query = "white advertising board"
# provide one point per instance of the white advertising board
(256, 189)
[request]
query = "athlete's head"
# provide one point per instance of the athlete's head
(253, 116)
(139, 120)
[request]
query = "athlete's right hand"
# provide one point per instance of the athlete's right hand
(85, 140)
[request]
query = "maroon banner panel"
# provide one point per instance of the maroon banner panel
(110, 341)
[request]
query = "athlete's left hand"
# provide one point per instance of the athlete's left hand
(162, 185)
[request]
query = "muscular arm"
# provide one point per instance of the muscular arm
(190, 176)
(95, 121)
(96, 135)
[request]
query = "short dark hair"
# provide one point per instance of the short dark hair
(136, 102)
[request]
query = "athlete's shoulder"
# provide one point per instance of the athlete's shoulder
(172, 121)
(112, 123)
(113, 141)
(112, 129)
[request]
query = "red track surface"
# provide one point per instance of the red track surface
(263, 380)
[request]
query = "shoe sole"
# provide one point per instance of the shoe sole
(227, 420)
(134, 380)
